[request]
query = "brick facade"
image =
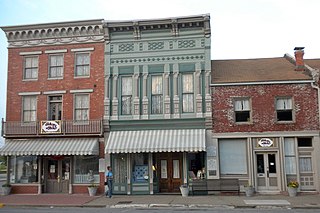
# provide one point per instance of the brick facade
(43, 84)
(263, 108)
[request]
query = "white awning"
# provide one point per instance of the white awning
(181, 140)
(51, 146)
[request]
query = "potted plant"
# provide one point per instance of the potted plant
(92, 189)
(184, 189)
(292, 188)
(6, 188)
(249, 189)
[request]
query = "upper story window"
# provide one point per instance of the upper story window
(29, 108)
(56, 66)
(82, 65)
(187, 93)
(156, 94)
(242, 110)
(284, 109)
(126, 95)
(81, 107)
(55, 107)
(30, 68)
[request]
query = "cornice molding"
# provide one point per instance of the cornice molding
(55, 33)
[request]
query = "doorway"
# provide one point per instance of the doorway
(55, 108)
(169, 171)
(57, 173)
(267, 171)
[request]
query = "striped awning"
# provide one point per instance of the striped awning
(181, 140)
(51, 146)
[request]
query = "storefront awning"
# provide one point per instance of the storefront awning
(51, 146)
(182, 140)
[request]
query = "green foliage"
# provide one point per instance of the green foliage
(293, 184)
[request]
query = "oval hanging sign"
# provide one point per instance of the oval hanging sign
(48, 127)
(265, 142)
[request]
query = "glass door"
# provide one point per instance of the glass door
(169, 172)
(58, 175)
(267, 171)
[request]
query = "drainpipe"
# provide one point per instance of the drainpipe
(317, 88)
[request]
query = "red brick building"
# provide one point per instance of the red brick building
(266, 122)
(53, 129)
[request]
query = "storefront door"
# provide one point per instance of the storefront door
(58, 175)
(169, 171)
(267, 171)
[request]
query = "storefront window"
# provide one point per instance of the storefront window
(196, 165)
(233, 157)
(140, 171)
(83, 165)
(24, 169)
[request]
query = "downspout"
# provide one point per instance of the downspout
(313, 85)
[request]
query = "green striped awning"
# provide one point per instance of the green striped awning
(180, 140)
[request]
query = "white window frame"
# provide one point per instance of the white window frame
(186, 108)
(81, 108)
(129, 96)
(159, 109)
(50, 67)
(31, 68)
(29, 110)
(76, 66)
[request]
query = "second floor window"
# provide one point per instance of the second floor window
(81, 109)
(242, 110)
(156, 94)
(187, 93)
(55, 66)
(284, 109)
(82, 64)
(29, 111)
(30, 68)
(126, 95)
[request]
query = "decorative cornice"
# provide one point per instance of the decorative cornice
(175, 23)
(55, 33)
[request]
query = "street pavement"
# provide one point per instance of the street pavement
(163, 201)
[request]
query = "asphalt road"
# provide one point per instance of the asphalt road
(150, 210)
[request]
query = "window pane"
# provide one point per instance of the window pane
(82, 64)
(126, 85)
(305, 164)
(157, 103)
(156, 85)
(83, 165)
(81, 107)
(284, 115)
(233, 156)
(187, 82)
(24, 169)
(140, 171)
(284, 103)
(126, 105)
(290, 164)
(187, 104)
(289, 148)
(29, 108)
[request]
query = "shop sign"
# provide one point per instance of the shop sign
(265, 142)
(50, 127)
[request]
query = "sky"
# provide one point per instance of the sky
(239, 28)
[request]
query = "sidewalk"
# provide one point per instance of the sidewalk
(163, 201)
